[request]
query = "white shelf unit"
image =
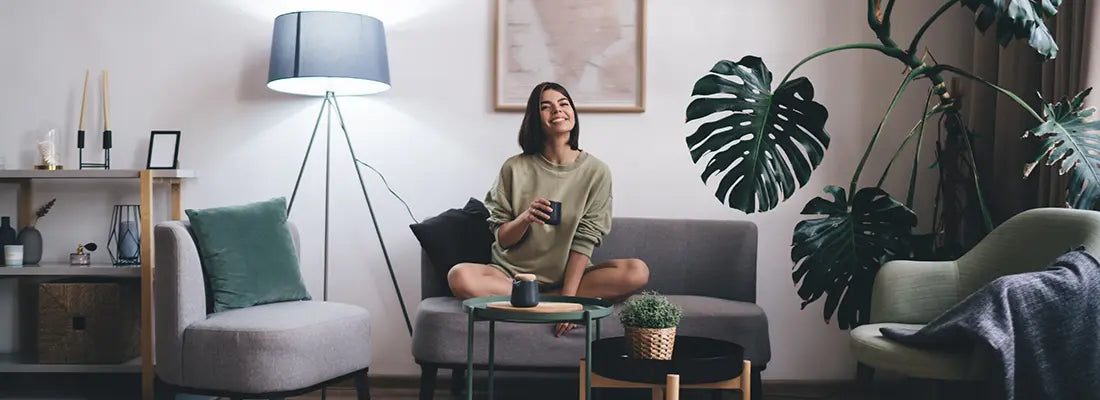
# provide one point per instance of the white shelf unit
(94, 174)
(19, 362)
(66, 270)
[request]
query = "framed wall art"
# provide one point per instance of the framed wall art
(594, 48)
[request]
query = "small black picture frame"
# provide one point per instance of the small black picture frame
(164, 148)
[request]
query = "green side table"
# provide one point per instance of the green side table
(478, 310)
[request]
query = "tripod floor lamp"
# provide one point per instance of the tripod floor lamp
(329, 54)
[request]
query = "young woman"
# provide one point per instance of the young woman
(551, 167)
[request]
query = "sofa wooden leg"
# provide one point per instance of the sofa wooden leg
(427, 381)
(458, 381)
(362, 385)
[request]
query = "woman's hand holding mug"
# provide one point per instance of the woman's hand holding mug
(537, 212)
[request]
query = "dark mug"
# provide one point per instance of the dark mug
(555, 213)
(525, 291)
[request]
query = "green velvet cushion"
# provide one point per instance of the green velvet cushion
(248, 254)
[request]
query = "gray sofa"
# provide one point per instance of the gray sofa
(706, 266)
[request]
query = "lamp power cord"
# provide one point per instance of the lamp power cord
(388, 188)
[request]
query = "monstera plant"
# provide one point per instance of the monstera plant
(761, 141)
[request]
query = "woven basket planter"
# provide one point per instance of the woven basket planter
(650, 343)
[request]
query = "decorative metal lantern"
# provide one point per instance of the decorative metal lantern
(124, 241)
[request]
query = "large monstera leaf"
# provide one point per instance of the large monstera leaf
(764, 145)
(1073, 143)
(838, 254)
(1018, 19)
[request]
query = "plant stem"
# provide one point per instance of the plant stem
(890, 48)
(880, 24)
(974, 167)
(916, 156)
(892, 52)
(920, 33)
(871, 146)
(953, 113)
(1011, 95)
(897, 153)
(918, 126)
(872, 15)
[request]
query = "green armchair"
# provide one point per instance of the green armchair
(912, 293)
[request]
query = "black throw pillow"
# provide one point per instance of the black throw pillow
(456, 236)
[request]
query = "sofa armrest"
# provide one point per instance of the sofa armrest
(179, 295)
(914, 292)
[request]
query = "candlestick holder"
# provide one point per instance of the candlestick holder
(80, 136)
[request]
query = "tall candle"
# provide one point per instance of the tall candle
(106, 105)
(84, 98)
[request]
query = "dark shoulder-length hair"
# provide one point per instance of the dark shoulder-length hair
(532, 138)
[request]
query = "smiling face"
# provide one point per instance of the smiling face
(548, 117)
(556, 112)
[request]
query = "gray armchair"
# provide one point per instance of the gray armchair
(911, 293)
(266, 351)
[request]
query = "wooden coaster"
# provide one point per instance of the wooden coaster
(543, 307)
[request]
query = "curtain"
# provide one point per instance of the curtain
(999, 123)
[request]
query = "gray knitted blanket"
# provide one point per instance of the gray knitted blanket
(1043, 328)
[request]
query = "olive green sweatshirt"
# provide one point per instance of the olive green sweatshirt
(584, 189)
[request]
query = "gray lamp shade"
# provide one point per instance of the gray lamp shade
(315, 52)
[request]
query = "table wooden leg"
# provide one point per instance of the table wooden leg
(658, 393)
(147, 371)
(583, 381)
(746, 380)
(672, 387)
(670, 390)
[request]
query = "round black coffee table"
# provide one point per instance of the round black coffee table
(696, 362)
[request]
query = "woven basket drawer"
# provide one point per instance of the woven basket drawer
(88, 322)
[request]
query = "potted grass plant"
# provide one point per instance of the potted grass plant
(650, 322)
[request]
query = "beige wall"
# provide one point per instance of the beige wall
(200, 66)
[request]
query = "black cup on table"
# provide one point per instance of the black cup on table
(525, 291)
(555, 213)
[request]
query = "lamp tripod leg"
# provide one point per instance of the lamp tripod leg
(305, 158)
(328, 162)
(385, 254)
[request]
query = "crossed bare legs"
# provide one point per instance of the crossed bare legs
(612, 280)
